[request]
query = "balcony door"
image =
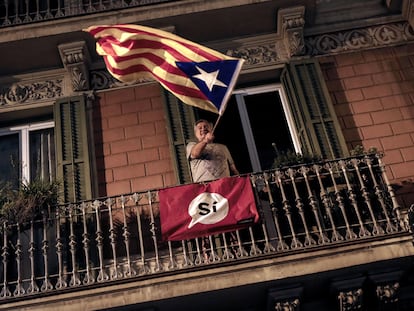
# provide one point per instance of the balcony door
(255, 125)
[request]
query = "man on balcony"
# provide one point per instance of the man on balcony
(208, 160)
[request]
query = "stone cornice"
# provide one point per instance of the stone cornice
(270, 50)
(260, 52)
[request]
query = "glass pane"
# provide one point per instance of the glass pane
(269, 126)
(10, 163)
(42, 154)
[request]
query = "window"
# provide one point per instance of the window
(255, 126)
(267, 124)
(27, 152)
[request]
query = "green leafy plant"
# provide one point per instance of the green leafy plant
(290, 158)
(30, 202)
(360, 150)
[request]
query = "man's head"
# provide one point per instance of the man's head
(201, 128)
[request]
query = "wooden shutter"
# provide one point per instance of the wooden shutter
(72, 148)
(315, 119)
(180, 121)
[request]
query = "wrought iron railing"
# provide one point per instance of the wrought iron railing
(18, 12)
(302, 208)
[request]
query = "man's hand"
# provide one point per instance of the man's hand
(208, 138)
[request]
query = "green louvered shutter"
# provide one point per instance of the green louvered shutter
(72, 148)
(313, 113)
(180, 119)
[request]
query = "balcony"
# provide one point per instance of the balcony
(307, 211)
(18, 12)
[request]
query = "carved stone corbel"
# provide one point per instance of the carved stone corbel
(290, 38)
(349, 293)
(76, 59)
(350, 300)
(292, 305)
(284, 299)
(388, 293)
(387, 287)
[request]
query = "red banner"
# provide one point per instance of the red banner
(198, 210)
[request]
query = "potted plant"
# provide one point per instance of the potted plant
(360, 150)
(30, 202)
(290, 158)
(23, 210)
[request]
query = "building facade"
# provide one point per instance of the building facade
(330, 79)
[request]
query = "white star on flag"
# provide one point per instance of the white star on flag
(209, 78)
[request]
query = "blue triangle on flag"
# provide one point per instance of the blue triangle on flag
(225, 70)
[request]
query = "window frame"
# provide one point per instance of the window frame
(244, 117)
(23, 131)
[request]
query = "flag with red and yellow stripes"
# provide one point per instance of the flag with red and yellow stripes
(197, 75)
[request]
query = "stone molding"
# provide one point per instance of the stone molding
(256, 56)
(27, 92)
(102, 79)
(265, 51)
(359, 39)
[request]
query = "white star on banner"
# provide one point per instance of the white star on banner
(209, 78)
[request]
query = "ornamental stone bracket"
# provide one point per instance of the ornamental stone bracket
(349, 293)
(284, 299)
(290, 32)
(76, 59)
(350, 300)
(387, 287)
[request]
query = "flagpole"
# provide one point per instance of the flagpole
(217, 121)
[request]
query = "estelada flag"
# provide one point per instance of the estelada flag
(198, 210)
(197, 75)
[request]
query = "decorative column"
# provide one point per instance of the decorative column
(76, 59)
(290, 38)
